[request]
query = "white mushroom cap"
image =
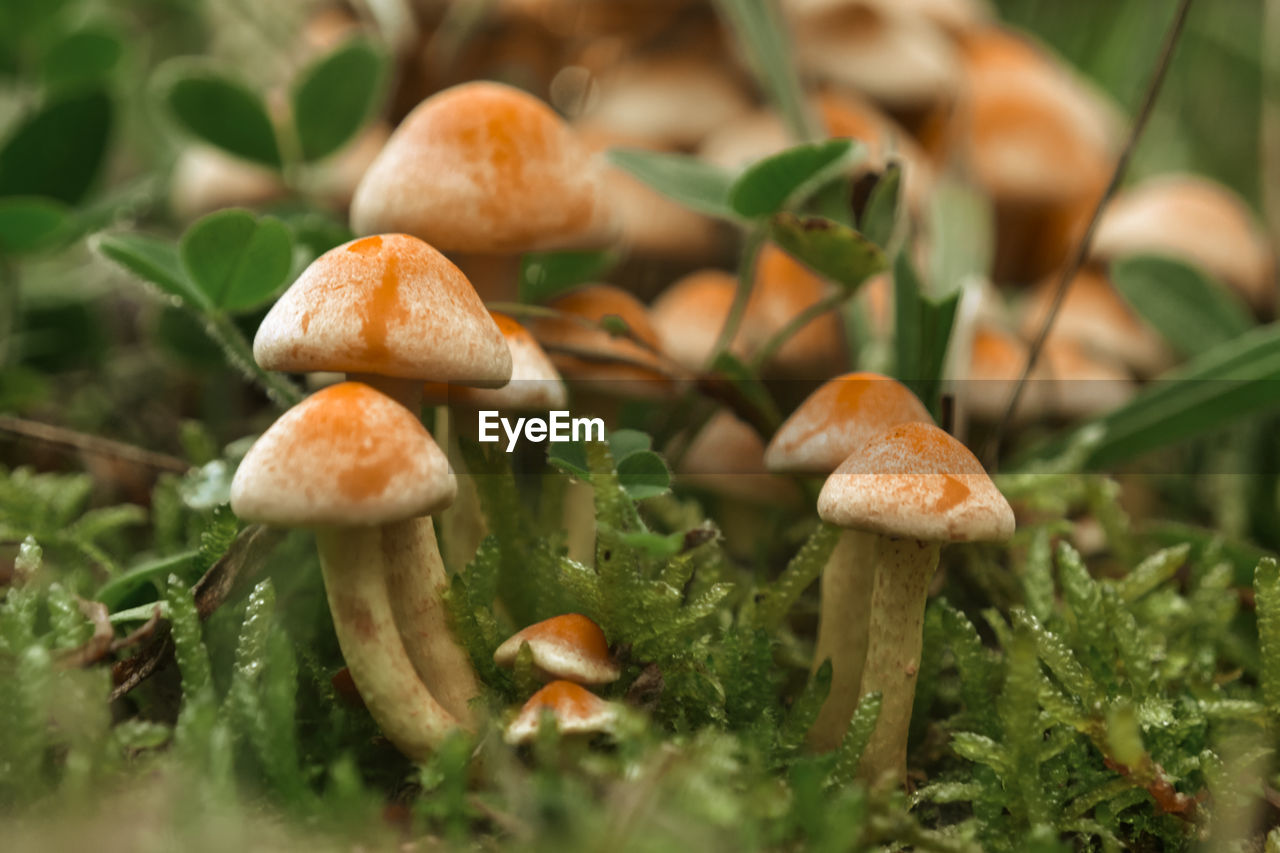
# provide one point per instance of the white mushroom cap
(484, 167)
(727, 457)
(576, 711)
(1196, 220)
(570, 647)
(389, 305)
(345, 456)
(916, 481)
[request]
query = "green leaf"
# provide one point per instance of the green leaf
(1220, 387)
(30, 224)
(154, 261)
(58, 150)
(962, 229)
(856, 738)
(921, 334)
(336, 95)
(1192, 312)
(835, 251)
(625, 442)
(237, 260)
(697, 185)
(570, 457)
(82, 57)
(880, 216)
(644, 474)
(222, 112)
(766, 186)
(544, 275)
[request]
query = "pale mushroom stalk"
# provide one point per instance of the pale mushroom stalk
(844, 622)
(353, 560)
(580, 521)
(903, 569)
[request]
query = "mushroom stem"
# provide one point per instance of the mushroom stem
(415, 579)
(352, 561)
(904, 569)
(580, 521)
(843, 631)
(406, 392)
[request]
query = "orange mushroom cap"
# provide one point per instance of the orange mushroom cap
(838, 418)
(576, 711)
(914, 480)
(626, 367)
(389, 305)
(570, 647)
(689, 315)
(484, 167)
(784, 288)
(727, 457)
(347, 455)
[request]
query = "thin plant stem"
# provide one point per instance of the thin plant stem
(240, 353)
(746, 281)
(1082, 247)
(91, 444)
(798, 322)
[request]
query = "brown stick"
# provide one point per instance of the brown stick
(91, 444)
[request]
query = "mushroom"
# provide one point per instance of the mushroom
(913, 487)
(485, 169)
(535, 386)
(1196, 220)
(690, 313)
(1040, 141)
(358, 469)
(570, 647)
(605, 369)
(1095, 315)
(393, 312)
(834, 422)
(576, 710)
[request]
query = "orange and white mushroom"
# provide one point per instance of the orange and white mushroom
(359, 469)
(575, 710)
(570, 647)
(915, 488)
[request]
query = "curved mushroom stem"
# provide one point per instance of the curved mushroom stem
(416, 579)
(842, 632)
(352, 560)
(904, 568)
(580, 521)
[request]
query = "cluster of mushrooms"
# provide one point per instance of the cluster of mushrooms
(480, 173)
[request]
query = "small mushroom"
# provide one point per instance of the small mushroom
(1196, 220)
(914, 488)
(834, 422)
(570, 647)
(358, 469)
(576, 710)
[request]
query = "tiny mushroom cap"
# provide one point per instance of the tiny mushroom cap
(996, 361)
(484, 167)
(1084, 385)
(628, 365)
(535, 383)
(345, 456)
(838, 418)
(570, 647)
(389, 305)
(916, 481)
(576, 711)
(1197, 220)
